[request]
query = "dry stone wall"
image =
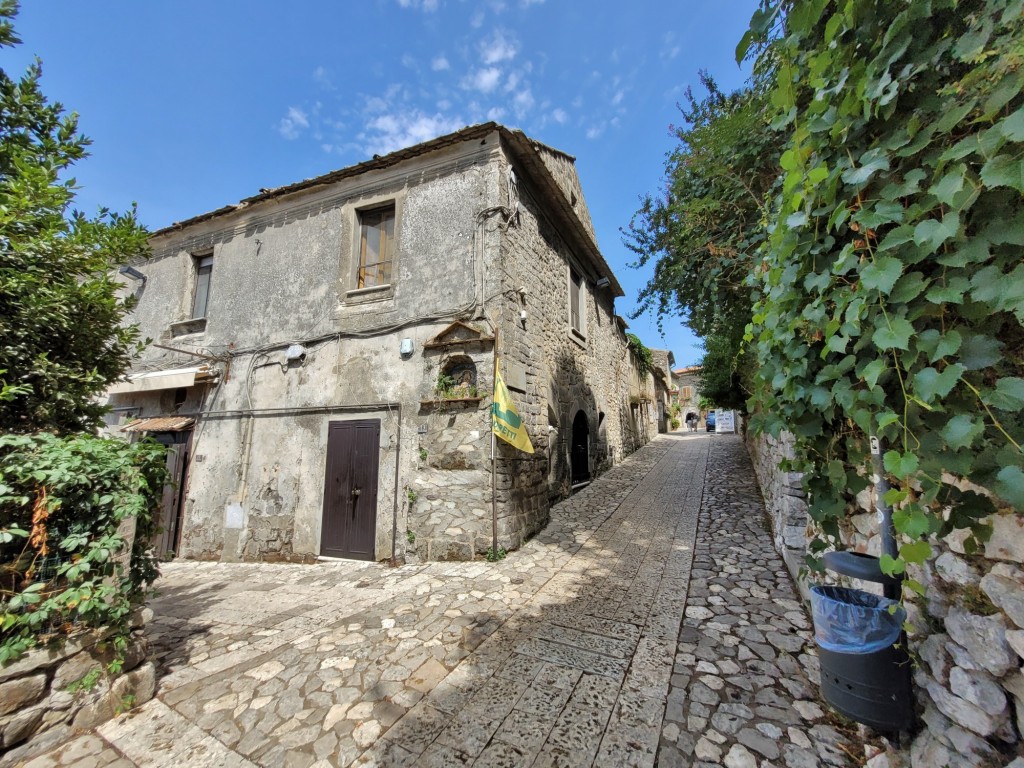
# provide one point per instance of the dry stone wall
(967, 634)
(49, 694)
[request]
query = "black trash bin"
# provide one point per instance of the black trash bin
(865, 669)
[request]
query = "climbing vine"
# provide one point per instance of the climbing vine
(892, 284)
(644, 360)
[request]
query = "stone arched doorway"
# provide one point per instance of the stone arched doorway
(580, 452)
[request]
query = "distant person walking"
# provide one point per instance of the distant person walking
(691, 421)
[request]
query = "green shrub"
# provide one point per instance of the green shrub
(62, 558)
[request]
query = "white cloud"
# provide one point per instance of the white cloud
(497, 49)
(408, 61)
(528, 3)
(427, 5)
(390, 132)
(617, 98)
(322, 77)
(376, 104)
(559, 116)
(497, 114)
(523, 103)
(440, 64)
(595, 130)
(291, 125)
(484, 80)
(671, 48)
(476, 20)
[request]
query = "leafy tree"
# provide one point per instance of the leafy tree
(62, 341)
(704, 232)
(66, 499)
(893, 289)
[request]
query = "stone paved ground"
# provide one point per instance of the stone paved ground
(580, 649)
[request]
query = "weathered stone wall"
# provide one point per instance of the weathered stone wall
(283, 273)
(566, 373)
(784, 498)
(448, 490)
(37, 709)
(563, 169)
(968, 634)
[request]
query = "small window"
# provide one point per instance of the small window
(376, 246)
(204, 268)
(687, 393)
(576, 305)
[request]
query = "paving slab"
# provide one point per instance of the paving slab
(621, 635)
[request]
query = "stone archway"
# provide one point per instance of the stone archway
(580, 451)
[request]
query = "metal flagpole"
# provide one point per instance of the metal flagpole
(494, 456)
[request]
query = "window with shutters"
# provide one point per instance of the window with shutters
(376, 247)
(203, 265)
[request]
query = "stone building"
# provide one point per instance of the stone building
(324, 355)
(663, 360)
(688, 383)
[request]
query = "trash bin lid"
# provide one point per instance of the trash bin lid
(858, 565)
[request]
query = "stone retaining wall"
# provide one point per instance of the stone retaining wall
(968, 634)
(47, 695)
(784, 499)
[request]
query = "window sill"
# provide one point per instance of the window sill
(578, 337)
(374, 293)
(187, 327)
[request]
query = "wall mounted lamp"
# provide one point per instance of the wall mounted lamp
(603, 282)
(132, 272)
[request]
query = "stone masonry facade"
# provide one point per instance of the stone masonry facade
(491, 238)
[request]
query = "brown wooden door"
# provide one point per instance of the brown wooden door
(350, 489)
(172, 504)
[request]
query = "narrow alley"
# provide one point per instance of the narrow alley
(651, 623)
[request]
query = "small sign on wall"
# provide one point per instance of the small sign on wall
(515, 376)
(726, 421)
(233, 516)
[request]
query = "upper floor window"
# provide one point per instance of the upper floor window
(376, 246)
(204, 269)
(687, 393)
(576, 304)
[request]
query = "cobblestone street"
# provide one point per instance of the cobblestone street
(650, 623)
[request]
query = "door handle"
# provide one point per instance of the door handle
(356, 491)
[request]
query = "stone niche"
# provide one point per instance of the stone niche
(49, 694)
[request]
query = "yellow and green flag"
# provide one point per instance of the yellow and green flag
(505, 422)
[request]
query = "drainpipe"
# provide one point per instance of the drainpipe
(394, 507)
(884, 512)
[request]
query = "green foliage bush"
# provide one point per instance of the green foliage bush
(62, 555)
(892, 282)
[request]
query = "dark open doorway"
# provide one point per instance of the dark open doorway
(580, 455)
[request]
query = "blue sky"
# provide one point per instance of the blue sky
(194, 105)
